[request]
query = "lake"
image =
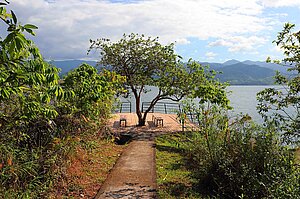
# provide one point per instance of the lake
(242, 99)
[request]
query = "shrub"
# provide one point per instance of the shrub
(38, 114)
(239, 159)
(281, 105)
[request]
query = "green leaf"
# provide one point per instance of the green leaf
(14, 17)
(11, 48)
(9, 38)
(4, 94)
(30, 26)
(19, 43)
(30, 31)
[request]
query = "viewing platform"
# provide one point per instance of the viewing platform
(170, 123)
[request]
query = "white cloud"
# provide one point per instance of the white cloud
(275, 53)
(182, 41)
(210, 55)
(280, 3)
(65, 27)
(240, 43)
(277, 49)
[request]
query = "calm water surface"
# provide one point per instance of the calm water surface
(242, 99)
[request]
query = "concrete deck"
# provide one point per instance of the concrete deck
(171, 123)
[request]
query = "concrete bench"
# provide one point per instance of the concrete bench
(123, 120)
(158, 121)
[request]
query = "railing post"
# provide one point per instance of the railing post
(182, 120)
(130, 106)
(121, 107)
(165, 108)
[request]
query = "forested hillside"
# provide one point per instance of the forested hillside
(232, 71)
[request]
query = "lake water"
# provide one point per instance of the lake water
(242, 99)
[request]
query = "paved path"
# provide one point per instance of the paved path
(134, 175)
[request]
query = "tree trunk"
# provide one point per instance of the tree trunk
(142, 116)
(142, 120)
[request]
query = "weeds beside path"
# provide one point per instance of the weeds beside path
(173, 178)
(183, 170)
(89, 163)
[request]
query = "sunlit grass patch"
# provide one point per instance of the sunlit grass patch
(173, 178)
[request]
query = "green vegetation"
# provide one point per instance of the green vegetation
(174, 178)
(144, 61)
(236, 158)
(41, 115)
(273, 103)
(226, 159)
(51, 127)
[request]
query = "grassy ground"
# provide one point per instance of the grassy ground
(173, 177)
(297, 155)
(88, 166)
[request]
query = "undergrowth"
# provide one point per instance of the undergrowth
(88, 166)
(174, 179)
(227, 159)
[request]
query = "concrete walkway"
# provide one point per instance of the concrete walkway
(134, 175)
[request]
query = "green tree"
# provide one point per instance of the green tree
(27, 82)
(28, 89)
(146, 62)
(93, 93)
(34, 137)
(282, 106)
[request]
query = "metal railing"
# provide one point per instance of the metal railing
(193, 117)
(124, 107)
(162, 107)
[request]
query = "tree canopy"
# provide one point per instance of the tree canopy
(144, 61)
(39, 112)
(93, 92)
(282, 105)
(26, 81)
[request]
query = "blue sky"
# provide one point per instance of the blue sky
(205, 30)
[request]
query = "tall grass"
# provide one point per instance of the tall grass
(239, 159)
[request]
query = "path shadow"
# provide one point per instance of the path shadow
(126, 137)
(151, 124)
(169, 149)
(116, 124)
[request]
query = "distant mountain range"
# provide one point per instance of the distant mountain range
(246, 72)
(67, 65)
(233, 71)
